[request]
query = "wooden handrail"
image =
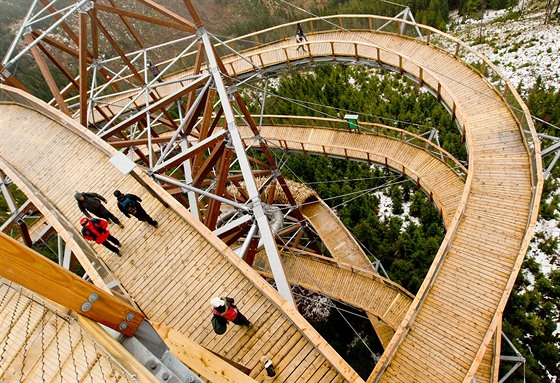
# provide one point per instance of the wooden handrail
(27, 268)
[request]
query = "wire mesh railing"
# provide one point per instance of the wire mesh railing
(40, 342)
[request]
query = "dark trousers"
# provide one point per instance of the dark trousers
(110, 217)
(111, 247)
(141, 215)
(240, 320)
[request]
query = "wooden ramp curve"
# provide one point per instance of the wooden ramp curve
(336, 238)
(433, 175)
(449, 326)
(363, 289)
(444, 183)
(173, 271)
(446, 331)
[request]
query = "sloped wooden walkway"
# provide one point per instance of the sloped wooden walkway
(449, 326)
(173, 271)
(447, 329)
(443, 183)
(363, 289)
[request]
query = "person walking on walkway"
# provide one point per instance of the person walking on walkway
(92, 203)
(226, 309)
(299, 31)
(95, 229)
(129, 204)
(300, 37)
(154, 71)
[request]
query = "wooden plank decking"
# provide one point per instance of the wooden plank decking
(41, 343)
(174, 270)
(432, 174)
(445, 333)
(363, 289)
(427, 348)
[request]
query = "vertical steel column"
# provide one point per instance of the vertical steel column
(258, 210)
(22, 226)
(193, 202)
(83, 57)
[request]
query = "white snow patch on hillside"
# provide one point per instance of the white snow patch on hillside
(549, 229)
(523, 49)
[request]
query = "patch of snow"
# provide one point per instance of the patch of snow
(544, 230)
(523, 49)
(549, 229)
(274, 82)
(316, 307)
(386, 210)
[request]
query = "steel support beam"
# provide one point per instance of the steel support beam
(257, 205)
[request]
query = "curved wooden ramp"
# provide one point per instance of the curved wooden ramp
(449, 326)
(444, 183)
(406, 153)
(360, 288)
(173, 271)
(336, 238)
(403, 152)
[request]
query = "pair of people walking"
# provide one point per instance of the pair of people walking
(300, 37)
(95, 229)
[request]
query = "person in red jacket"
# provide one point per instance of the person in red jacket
(95, 229)
(225, 308)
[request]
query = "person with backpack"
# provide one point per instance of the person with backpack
(92, 203)
(95, 229)
(129, 204)
(224, 311)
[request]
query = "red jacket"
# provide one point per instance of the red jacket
(230, 314)
(96, 230)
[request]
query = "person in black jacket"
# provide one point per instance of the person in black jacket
(300, 37)
(129, 204)
(92, 203)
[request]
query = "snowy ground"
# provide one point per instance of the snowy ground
(523, 48)
(386, 209)
(546, 229)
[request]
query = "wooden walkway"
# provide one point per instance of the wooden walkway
(445, 332)
(447, 329)
(438, 179)
(173, 271)
(431, 174)
(363, 289)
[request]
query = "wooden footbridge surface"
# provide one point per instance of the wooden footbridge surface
(458, 308)
(446, 330)
(171, 272)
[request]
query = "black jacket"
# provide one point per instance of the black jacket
(92, 204)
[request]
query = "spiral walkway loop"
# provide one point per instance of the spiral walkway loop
(458, 308)
(446, 331)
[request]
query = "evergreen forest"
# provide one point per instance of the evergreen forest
(407, 239)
